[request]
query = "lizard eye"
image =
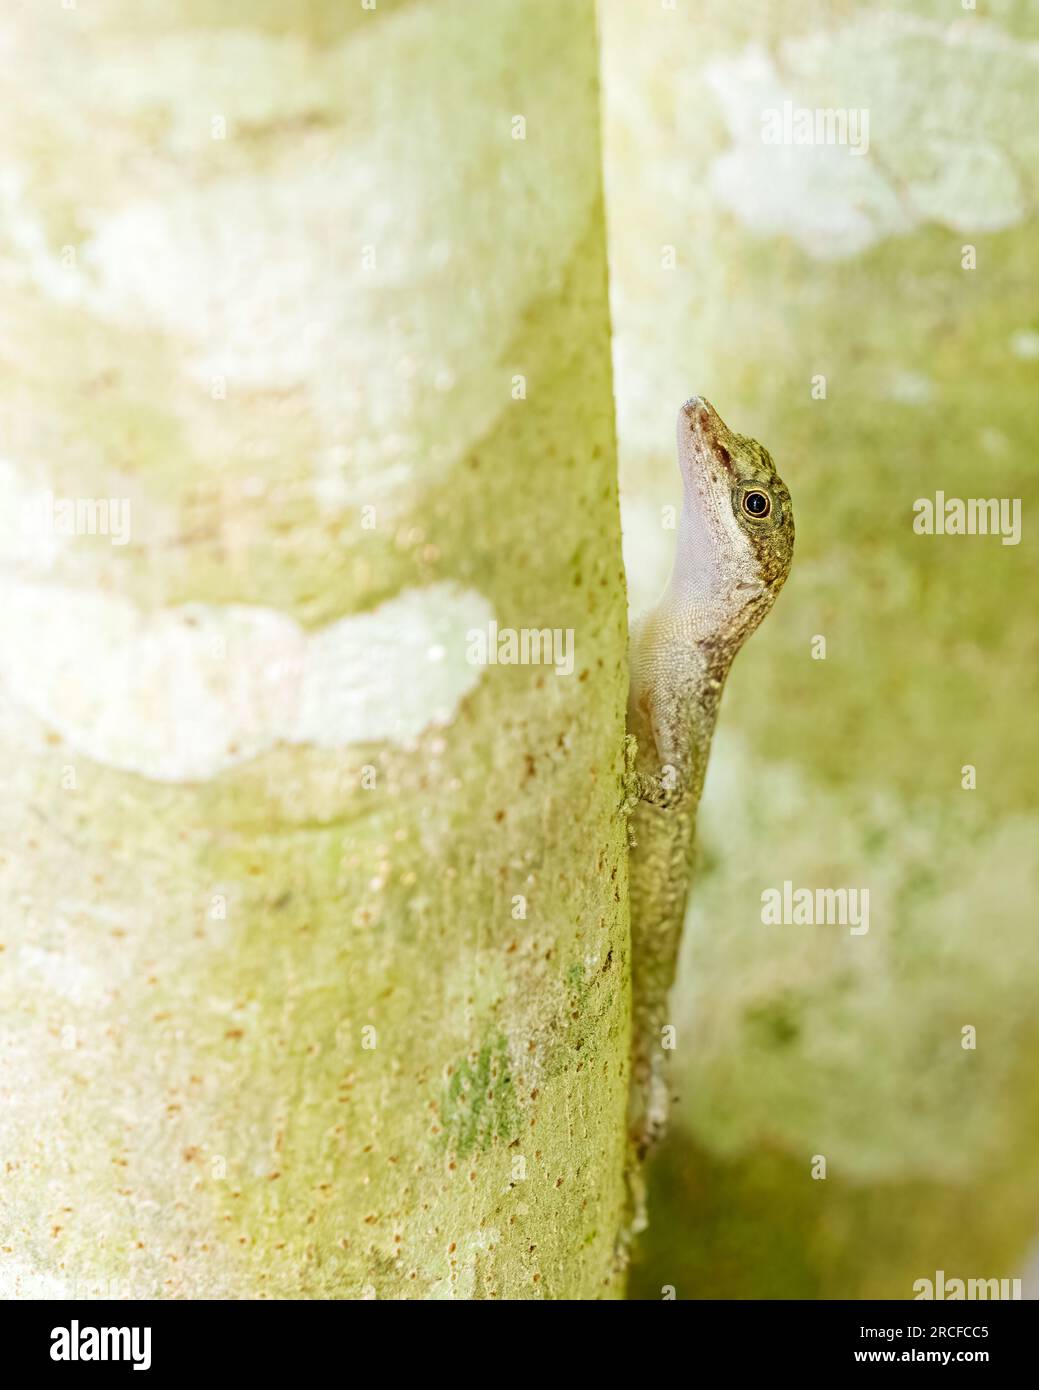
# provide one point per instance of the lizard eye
(757, 504)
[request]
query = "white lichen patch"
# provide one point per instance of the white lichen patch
(1025, 344)
(917, 164)
(59, 973)
(19, 1279)
(180, 694)
(316, 273)
(391, 673)
(831, 202)
(908, 388)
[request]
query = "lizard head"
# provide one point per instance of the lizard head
(736, 539)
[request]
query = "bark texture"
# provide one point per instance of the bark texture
(315, 944)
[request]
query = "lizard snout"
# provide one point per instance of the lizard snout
(696, 410)
(699, 418)
(703, 437)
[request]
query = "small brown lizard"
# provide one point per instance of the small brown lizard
(734, 547)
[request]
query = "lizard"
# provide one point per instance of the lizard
(734, 546)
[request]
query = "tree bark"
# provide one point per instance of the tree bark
(315, 975)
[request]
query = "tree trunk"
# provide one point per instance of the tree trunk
(316, 968)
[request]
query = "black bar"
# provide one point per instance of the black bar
(268, 1338)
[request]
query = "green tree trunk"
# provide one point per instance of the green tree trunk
(315, 967)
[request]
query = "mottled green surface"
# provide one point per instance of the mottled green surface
(797, 1041)
(189, 1106)
(192, 1107)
